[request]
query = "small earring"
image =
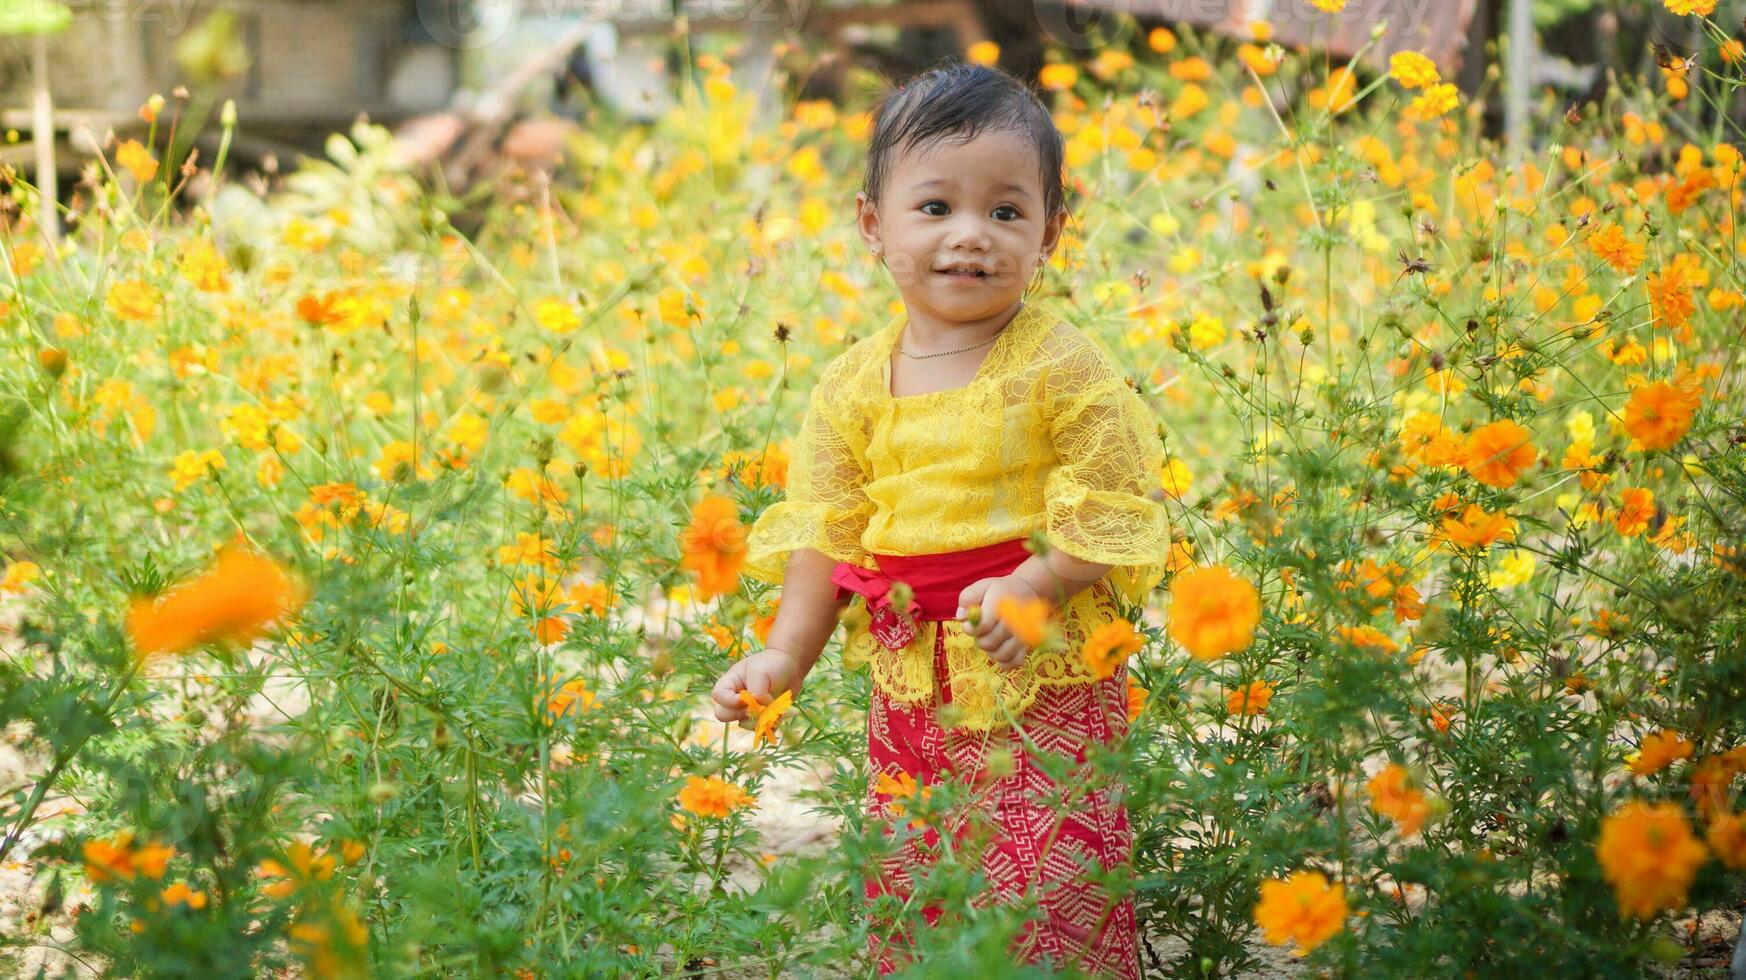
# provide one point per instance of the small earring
(875, 251)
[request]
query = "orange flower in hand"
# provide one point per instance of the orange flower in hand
(767, 714)
(1027, 618)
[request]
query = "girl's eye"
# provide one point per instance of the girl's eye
(1010, 213)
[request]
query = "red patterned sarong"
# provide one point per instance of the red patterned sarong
(1039, 838)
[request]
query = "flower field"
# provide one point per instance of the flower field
(369, 550)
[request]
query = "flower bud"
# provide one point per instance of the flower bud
(52, 360)
(1001, 763)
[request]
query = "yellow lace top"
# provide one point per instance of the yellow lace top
(1047, 435)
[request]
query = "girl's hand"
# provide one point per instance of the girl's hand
(992, 634)
(766, 674)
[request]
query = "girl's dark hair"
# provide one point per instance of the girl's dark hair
(958, 101)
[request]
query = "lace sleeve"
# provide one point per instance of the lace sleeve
(826, 506)
(1110, 458)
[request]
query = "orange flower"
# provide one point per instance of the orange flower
(1727, 837)
(307, 866)
(1392, 795)
(1614, 247)
(1303, 908)
(119, 860)
(1498, 453)
(1657, 751)
(1709, 782)
(1251, 699)
(1136, 699)
(767, 714)
(180, 894)
(1027, 618)
(901, 787)
(1649, 856)
(571, 692)
(1477, 528)
(1670, 292)
(234, 602)
(1636, 510)
(1659, 415)
(1366, 636)
(1213, 612)
(714, 546)
(1109, 645)
(713, 797)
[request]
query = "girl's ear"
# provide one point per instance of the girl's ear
(1052, 230)
(866, 219)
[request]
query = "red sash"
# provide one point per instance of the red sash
(936, 580)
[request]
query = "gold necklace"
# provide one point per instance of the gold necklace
(997, 333)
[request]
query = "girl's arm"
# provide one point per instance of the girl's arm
(804, 623)
(809, 611)
(1058, 576)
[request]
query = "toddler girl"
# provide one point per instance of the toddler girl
(930, 452)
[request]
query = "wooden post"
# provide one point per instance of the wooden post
(1518, 80)
(43, 125)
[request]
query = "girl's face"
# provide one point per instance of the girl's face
(961, 226)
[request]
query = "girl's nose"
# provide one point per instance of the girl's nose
(968, 233)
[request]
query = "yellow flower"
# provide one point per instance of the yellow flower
(1438, 100)
(190, 467)
(557, 315)
(1329, 6)
(134, 299)
(1213, 612)
(1303, 908)
(1058, 77)
(1702, 8)
(1649, 856)
(18, 577)
(1413, 70)
(983, 53)
(136, 160)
